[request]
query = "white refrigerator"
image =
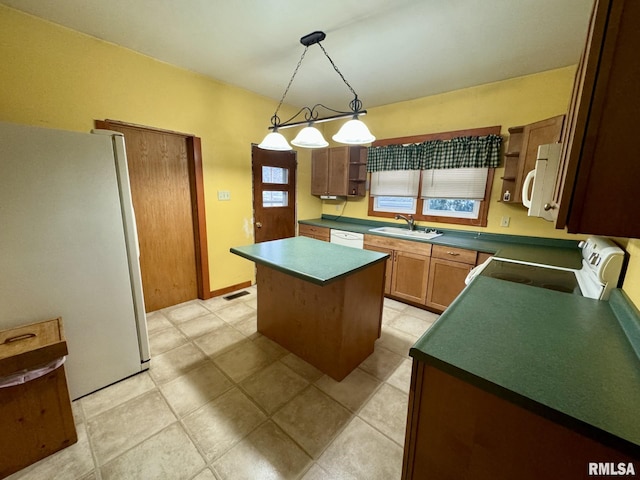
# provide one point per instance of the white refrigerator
(68, 248)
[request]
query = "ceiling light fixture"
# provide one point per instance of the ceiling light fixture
(353, 132)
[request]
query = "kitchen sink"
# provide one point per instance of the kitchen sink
(405, 232)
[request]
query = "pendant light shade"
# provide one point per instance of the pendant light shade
(354, 132)
(310, 137)
(275, 141)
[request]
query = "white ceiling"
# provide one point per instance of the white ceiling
(388, 50)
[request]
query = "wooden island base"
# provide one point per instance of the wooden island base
(333, 327)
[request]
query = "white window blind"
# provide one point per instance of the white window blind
(467, 183)
(395, 183)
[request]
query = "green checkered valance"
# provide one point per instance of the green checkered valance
(460, 152)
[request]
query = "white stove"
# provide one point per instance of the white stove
(601, 267)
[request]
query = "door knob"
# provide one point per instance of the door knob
(258, 225)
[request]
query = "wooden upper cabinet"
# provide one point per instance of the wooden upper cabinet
(522, 152)
(339, 171)
(599, 170)
(319, 171)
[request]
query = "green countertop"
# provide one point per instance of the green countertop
(565, 353)
(560, 253)
(312, 260)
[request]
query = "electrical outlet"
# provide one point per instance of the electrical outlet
(504, 222)
(224, 195)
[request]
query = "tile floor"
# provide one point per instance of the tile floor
(222, 401)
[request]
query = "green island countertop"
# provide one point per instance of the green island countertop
(562, 355)
(312, 260)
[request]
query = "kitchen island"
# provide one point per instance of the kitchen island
(319, 300)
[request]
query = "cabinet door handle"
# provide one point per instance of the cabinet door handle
(17, 338)
(453, 254)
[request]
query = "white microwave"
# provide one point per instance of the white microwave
(539, 185)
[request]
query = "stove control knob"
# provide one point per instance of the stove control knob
(582, 244)
(595, 259)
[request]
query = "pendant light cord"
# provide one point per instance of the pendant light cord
(338, 71)
(275, 120)
(355, 104)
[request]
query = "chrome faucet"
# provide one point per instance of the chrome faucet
(409, 219)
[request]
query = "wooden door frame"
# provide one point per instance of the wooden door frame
(196, 187)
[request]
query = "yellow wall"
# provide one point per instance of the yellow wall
(631, 284)
(55, 77)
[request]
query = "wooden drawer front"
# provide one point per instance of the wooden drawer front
(455, 254)
(323, 233)
(31, 345)
(396, 244)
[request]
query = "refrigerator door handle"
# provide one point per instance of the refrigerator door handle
(133, 247)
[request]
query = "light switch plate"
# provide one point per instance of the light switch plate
(224, 195)
(504, 221)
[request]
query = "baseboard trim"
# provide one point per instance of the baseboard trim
(225, 290)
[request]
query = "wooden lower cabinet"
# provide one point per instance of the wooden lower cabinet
(36, 416)
(311, 231)
(448, 271)
(483, 257)
(410, 276)
(333, 327)
(407, 270)
(457, 430)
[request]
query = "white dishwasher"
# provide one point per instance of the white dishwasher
(350, 239)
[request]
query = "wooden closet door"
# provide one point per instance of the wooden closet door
(162, 200)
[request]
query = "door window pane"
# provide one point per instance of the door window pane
(275, 199)
(276, 175)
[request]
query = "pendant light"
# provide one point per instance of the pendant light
(310, 137)
(275, 141)
(354, 132)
